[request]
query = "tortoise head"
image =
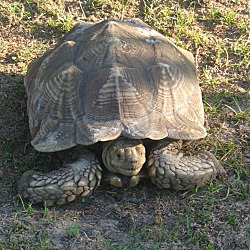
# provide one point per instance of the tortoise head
(124, 156)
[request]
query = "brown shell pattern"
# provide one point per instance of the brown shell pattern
(110, 79)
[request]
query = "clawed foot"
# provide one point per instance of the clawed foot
(58, 187)
(170, 169)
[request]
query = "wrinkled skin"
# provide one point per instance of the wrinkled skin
(124, 160)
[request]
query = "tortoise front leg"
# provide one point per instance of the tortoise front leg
(169, 168)
(58, 187)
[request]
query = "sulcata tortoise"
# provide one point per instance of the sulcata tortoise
(110, 98)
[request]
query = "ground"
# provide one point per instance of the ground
(214, 217)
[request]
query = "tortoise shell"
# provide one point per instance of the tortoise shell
(109, 79)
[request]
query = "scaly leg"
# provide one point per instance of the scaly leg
(168, 168)
(58, 187)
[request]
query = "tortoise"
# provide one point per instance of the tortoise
(115, 98)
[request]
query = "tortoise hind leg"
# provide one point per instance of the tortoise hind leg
(58, 187)
(168, 168)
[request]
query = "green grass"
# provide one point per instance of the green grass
(72, 230)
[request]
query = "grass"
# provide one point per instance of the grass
(215, 217)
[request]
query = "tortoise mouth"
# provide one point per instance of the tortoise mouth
(129, 170)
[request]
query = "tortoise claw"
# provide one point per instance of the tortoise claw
(119, 180)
